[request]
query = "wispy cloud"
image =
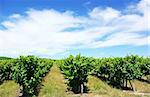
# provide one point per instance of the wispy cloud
(50, 32)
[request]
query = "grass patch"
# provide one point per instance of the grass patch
(104, 90)
(9, 89)
(142, 86)
(53, 84)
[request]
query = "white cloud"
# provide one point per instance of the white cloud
(104, 15)
(15, 16)
(122, 39)
(43, 32)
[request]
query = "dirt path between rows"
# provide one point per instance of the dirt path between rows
(54, 84)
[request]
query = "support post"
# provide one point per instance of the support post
(82, 87)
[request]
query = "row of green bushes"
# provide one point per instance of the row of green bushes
(6, 70)
(27, 71)
(117, 70)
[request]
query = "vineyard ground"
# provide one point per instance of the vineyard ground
(9, 89)
(54, 86)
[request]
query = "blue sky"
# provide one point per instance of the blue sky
(58, 28)
(80, 6)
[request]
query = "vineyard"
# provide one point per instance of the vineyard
(28, 72)
(118, 72)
